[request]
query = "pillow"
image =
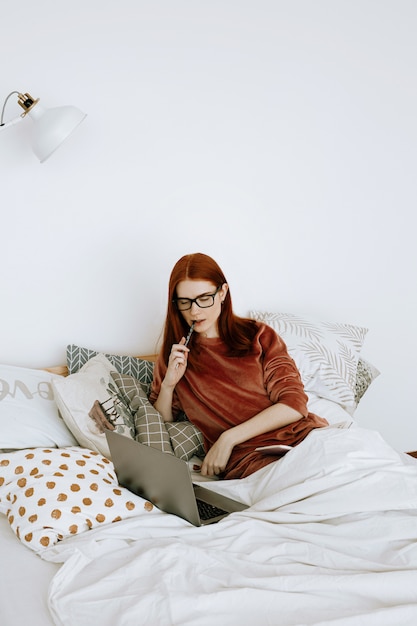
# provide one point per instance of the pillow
(75, 395)
(49, 494)
(131, 366)
(117, 417)
(29, 416)
(365, 375)
(181, 438)
(326, 353)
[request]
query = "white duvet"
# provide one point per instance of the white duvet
(330, 539)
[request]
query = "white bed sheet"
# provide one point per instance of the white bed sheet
(330, 539)
(25, 579)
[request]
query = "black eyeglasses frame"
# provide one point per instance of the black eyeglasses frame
(192, 300)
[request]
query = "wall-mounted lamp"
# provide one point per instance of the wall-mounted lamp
(51, 126)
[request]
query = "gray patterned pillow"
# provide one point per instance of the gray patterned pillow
(365, 375)
(140, 369)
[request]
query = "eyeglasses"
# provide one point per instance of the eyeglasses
(204, 302)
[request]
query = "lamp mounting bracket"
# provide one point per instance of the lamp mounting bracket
(26, 102)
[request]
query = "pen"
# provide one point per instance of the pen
(190, 332)
(187, 340)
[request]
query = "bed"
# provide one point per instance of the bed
(329, 536)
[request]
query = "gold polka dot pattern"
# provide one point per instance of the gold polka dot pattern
(75, 491)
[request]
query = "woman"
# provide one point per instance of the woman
(234, 380)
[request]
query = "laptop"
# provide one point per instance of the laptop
(165, 480)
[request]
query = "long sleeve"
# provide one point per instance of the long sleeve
(225, 391)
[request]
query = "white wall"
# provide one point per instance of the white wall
(278, 136)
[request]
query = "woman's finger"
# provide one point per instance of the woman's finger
(178, 353)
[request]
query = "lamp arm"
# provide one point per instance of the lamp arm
(12, 122)
(4, 106)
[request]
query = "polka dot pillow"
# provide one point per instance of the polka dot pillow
(48, 494)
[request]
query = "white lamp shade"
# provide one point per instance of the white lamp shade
(52, 127)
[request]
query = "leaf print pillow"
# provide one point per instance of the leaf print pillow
(326, 353)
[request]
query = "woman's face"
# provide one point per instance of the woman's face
(205, 318)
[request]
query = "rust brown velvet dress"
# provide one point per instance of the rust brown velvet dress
(226, 391)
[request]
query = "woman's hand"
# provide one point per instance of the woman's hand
(217, 457)
(177, 363)
(269, 419)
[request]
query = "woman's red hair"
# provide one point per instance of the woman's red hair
(236, 332)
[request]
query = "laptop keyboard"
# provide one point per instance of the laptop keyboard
(208, 511)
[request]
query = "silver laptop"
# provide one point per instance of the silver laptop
(165, 480)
